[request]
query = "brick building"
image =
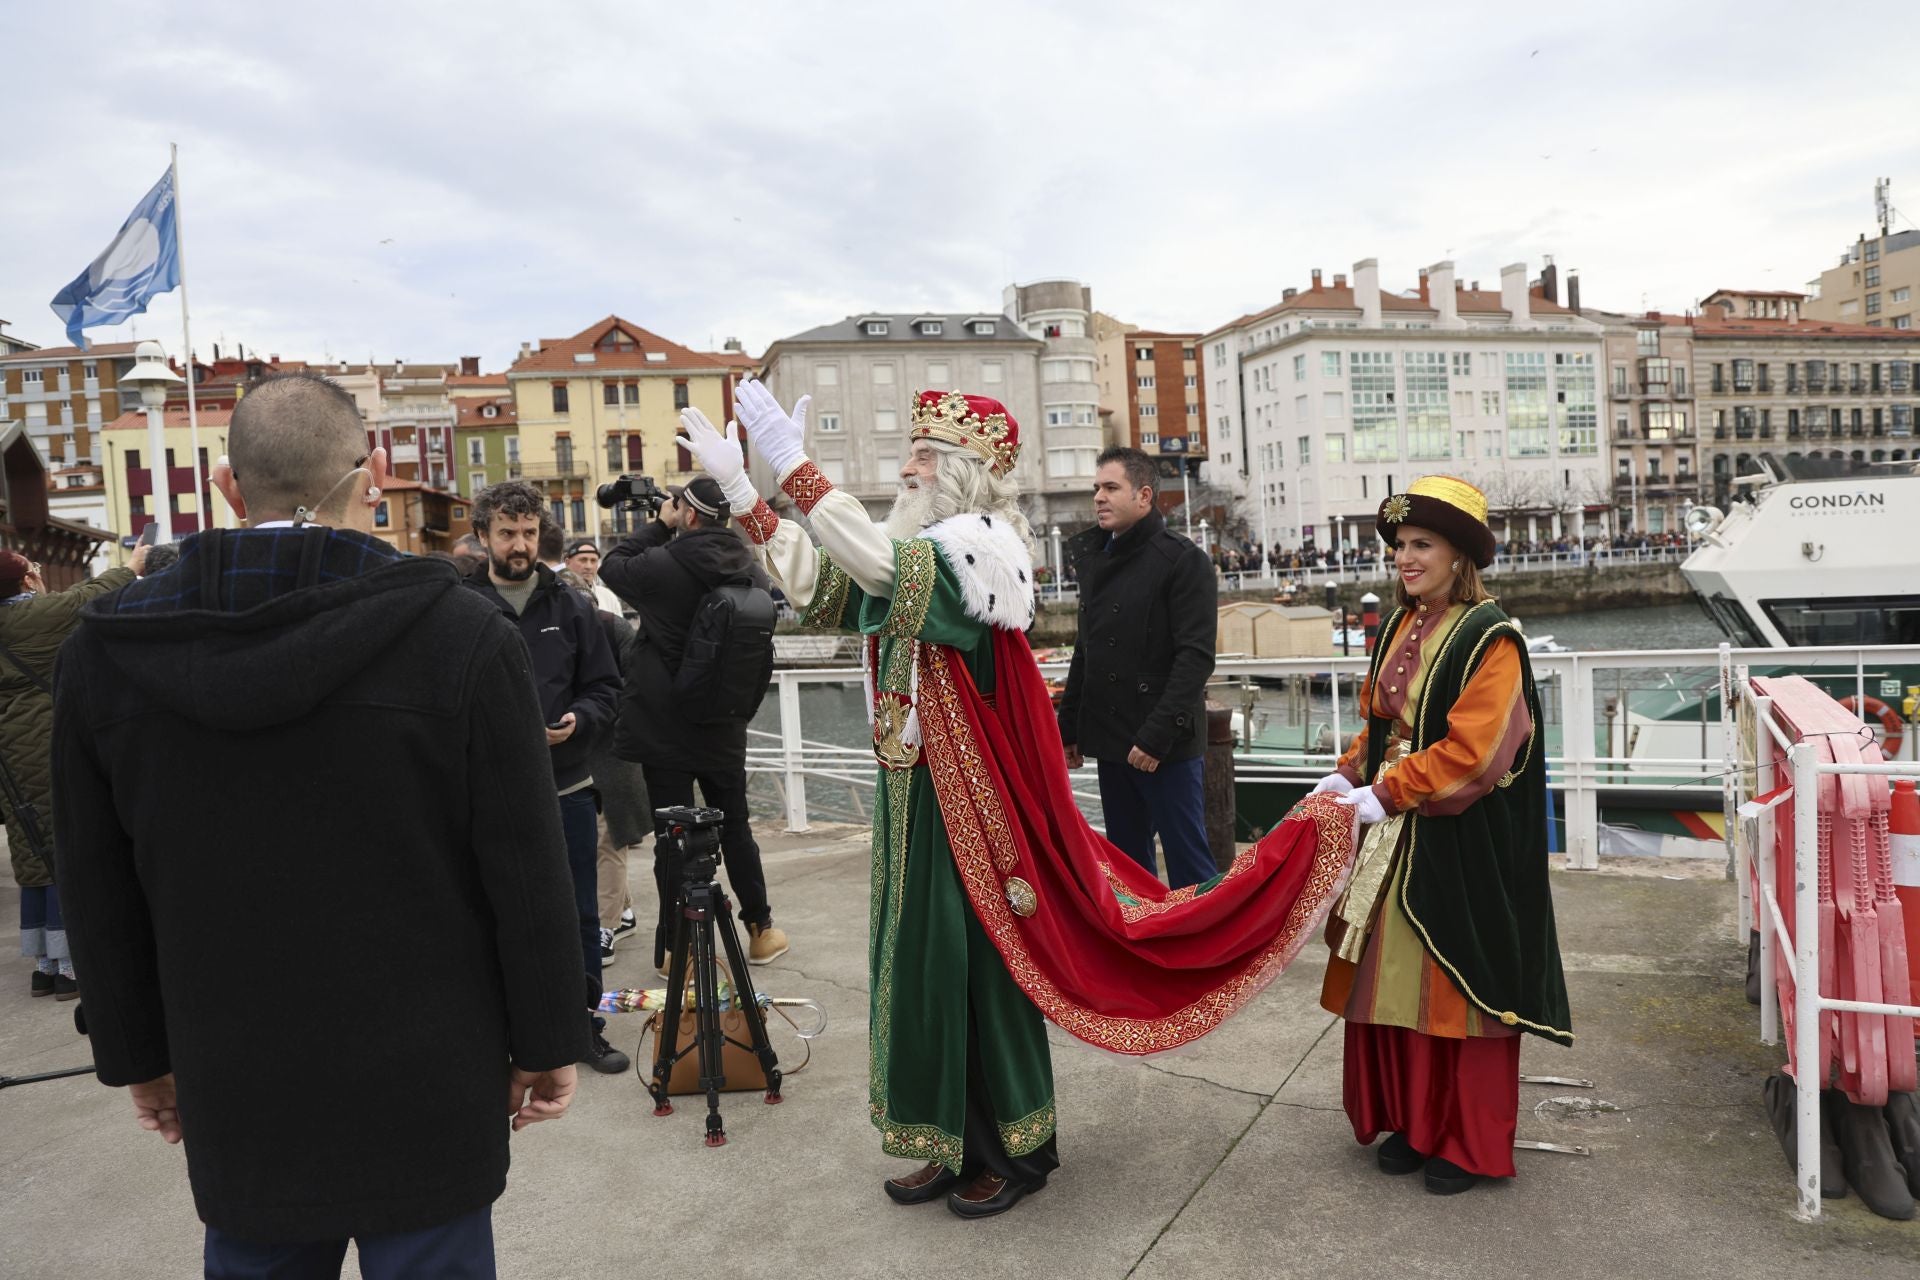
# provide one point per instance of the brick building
(63, 397)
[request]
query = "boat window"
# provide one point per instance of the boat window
(1847, 620)
(1731, 616)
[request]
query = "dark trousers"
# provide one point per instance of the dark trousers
(580, 824)
(726, 790)
(457, 1250)
(1169, 802)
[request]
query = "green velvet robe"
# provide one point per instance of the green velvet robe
(935, 978)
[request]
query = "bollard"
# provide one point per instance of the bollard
(1370, 618)
(1222, 817)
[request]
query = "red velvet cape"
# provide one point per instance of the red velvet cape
(1110, 954)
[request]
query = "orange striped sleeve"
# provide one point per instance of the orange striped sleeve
(1486, 728)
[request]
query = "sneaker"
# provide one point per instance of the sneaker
(606, 947)
(604, 1058)
(626, 926)
(42, 983)
(765, 943)
(65, 988)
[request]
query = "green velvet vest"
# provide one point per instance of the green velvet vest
(1476, 886)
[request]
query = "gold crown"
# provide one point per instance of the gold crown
(952, 419)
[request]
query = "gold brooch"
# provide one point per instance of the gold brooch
(1397, 508)
(1021, 897)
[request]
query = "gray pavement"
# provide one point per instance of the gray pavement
(1230, 1159)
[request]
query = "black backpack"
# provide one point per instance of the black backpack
(728, 660)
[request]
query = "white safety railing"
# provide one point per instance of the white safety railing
(1572, 686)
(1772, 746)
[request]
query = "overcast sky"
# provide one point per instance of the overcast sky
(427, 181)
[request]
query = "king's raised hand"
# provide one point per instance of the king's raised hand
(780, 438)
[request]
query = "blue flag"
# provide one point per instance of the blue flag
(143, 260)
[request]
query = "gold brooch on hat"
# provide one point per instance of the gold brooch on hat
(1397, 509)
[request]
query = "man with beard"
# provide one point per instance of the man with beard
(578, 684)
(993, 902)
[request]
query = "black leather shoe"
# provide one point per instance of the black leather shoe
(1445, 1178)
(922, 1186)
(42, 984)
(990, 1194)
(1396, 1155)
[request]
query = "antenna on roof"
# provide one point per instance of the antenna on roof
(1883, 204)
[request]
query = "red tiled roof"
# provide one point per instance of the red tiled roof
(1742, 326)
(556, 355)
(1759, 293)
(733, 359)
(176, 416)
(1154, 335)
(1339, 297)
(477, 380)
(98, 351)
(470, 417)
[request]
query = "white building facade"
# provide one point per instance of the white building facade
(1060, 314)
(1342, 395)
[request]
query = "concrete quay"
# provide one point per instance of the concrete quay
(1231, 1159)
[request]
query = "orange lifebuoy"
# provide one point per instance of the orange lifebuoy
(1889, 719)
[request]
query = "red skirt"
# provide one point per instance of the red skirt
(1456, 1099)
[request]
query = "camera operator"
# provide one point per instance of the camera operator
(664, 571)
(577, 684)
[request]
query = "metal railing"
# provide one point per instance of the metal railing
(1574, 686)
(1772, 747)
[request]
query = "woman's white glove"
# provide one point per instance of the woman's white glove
(780, 439)
(1338, 783)
(720, 456)
(1366, 805)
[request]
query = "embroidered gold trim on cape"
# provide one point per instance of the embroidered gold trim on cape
(915, 566)
(830, 587)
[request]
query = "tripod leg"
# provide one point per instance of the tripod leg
(749, 1001)
(667, 1044)
(707, 1021)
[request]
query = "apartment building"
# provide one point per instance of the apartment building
(864, 371)
(1343, 393)
(63, 397)
(1874, 285)
(1655, 437)
(1067, 436)
(1770, 379)
(604, 402)
(12, 344)
(126, 476)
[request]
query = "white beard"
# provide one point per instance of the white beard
(912, 510)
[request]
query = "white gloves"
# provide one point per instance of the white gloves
(720, 456)
(780, 439)
(1366, 805)
(1334, 782)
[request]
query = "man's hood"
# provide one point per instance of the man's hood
(246, 669)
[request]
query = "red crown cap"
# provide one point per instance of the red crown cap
(978, 423)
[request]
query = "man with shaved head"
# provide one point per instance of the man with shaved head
(312, 867)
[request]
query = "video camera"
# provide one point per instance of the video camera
(632, 493)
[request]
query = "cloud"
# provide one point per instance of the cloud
(447, 180)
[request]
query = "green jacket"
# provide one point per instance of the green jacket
(1476, 885)
(33, 630)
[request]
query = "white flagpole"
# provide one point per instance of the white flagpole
(186, 336)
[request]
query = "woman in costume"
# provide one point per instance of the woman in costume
(1444, 949)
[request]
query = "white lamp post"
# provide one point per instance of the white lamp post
(1059, 566)
(1339, 544)
(151, 377)
(1203, 536)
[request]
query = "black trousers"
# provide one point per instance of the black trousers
(726, 790)
(981, 1150)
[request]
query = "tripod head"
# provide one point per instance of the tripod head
(690, 835)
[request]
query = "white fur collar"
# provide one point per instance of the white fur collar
(993, 565)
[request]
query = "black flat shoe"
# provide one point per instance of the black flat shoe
(42, 984)
(922, 1186)
(989, 1194)
(1397, 1156)
(1445, 1178)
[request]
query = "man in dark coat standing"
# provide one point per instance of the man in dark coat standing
(663, 571)
(312, 867)
(1136, 692)
(577, 684)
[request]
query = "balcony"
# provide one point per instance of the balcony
(1743, 386)
(1764, 386)
(1654, 388)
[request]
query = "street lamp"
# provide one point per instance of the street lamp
(1339, 536)
(1059, 567)
(1203, 535)
(152, 378)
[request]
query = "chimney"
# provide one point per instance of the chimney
(469, 366)
(1513, 293)
(1439, 280)
(216, 352)
(1316, 277)
(733, 344)
(1288, 295)
(273, 359)
(1366, 291)
(1339, 280)
(1550, 281)
(1573, 290)
(1423, 286)
(1475, 286)
(526, 349)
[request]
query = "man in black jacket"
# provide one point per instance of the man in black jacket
(577, 684)
(1136, 692)
(663, 571)
(299, 745)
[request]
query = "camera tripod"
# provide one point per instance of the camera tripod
(701, 909)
